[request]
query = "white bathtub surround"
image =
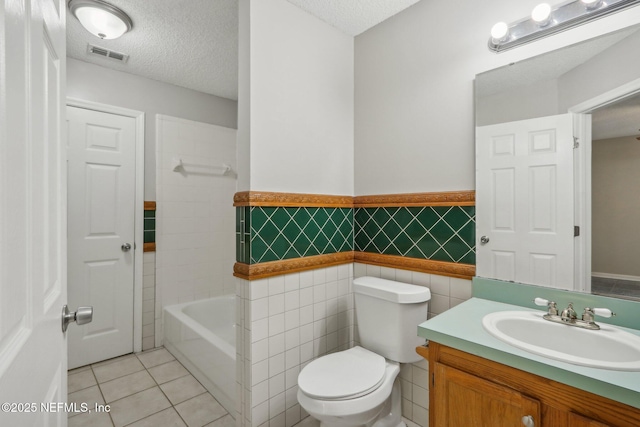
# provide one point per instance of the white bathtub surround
(285, 322)
(148, 300)
(446, 292)
(201, 336)
(195, 217)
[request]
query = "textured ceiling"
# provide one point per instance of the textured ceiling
(194, 43)
(617, 120)
(353, 16)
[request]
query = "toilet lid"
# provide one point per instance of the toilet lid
(344, 375)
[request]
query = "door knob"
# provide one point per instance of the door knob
(484, 240)
(81, 316)
(126, 247)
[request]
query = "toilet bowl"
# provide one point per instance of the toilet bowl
(360, 388)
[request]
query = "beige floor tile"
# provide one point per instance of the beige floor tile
(126, 386)
(78, 381)
(155, 357)
(182, 389)
(226, 421)
(167, 418)
(117, 369)
(200, 410)
(112, 360)
(138, 406)
(168, 371)
(89, 396)
(91, 419)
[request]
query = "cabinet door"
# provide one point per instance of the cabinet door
(464, 400)
(576, 420)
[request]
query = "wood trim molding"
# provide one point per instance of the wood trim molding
(446, 198)
(276, 268)
(149, 206)
(263, 198)
(442, 268)
(149, 247)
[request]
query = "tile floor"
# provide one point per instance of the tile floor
(148, 389)
(615, 287)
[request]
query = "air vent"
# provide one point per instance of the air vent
(106, 53)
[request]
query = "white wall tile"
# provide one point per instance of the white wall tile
(276, 344)
(276, 304)
(460, 288)
(276, 285)
(292, 282)
(291, 300)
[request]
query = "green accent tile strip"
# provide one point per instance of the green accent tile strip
(439, 233)
(243, 234)
(279, 233)
(149, 230)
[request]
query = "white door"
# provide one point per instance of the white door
(101, 192)
(33, 352)
(524, 199)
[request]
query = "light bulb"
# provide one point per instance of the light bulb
(499, 32)
(541, 14)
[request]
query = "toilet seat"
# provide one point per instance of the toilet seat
(344, 375)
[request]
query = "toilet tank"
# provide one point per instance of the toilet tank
(388, 314)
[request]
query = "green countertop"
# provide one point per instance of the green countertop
(461, 328)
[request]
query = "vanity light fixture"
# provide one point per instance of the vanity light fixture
(546, 20)
(101, 18)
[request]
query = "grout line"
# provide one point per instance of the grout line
(102, 394)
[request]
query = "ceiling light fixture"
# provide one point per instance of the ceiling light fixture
(545, 21)
(100, 18)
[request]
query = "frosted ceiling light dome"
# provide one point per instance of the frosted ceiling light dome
(101, 19)
(541, 14)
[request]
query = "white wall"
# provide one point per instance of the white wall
(195, 232)
(615, 206)
(297, 133)
(414, 115)
(94, 83)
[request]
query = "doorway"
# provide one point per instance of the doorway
(105, 226)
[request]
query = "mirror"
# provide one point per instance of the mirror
(607, 256)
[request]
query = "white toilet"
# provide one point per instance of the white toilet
(359, 386)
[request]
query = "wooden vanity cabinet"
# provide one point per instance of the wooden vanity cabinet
(468, 390)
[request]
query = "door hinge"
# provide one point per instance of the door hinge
(576, 230)
(433, 380)
(576, 142)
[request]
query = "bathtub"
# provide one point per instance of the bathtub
(201, 335)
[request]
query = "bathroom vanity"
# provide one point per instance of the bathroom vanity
(474, 376)
(467, 387)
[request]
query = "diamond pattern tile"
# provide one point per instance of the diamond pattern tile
(440, 233)
(279, 233)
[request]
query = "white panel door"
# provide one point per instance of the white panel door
(524, 199)
(101, 220)
(32, 212)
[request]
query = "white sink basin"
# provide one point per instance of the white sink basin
(607, 348)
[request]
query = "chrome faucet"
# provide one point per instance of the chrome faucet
(569, 317)
(569, 314)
